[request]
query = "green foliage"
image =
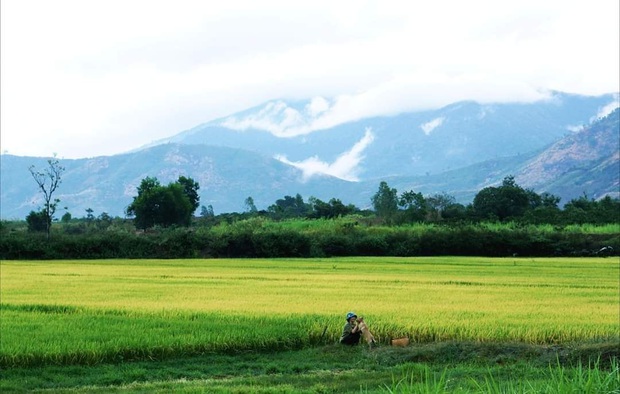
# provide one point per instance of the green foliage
(66, 217)
(503, 202)
(190, 189)
(427, 226)
(250, 206)
(38, 221)
(166, 206)
(346, 236)
(385, 201)
(583, 210)
(290, 207)
(332, 209)
(415, 206)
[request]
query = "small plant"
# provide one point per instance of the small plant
(419, 380)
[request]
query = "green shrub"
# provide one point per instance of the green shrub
(260, 237)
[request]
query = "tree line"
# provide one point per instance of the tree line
(160, 222)
(176, 203)
(507, 202)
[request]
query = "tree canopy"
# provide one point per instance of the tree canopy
(385, 201)
(157, 205)
(506, 201)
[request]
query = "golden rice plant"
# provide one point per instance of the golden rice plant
(92, 311)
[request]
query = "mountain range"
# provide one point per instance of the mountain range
(567, 145)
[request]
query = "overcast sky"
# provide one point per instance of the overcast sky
(89, 78)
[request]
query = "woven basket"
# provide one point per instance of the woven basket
(400, 342)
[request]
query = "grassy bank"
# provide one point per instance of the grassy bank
(424, 368)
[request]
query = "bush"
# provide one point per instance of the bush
(262, 238)
(284, 243)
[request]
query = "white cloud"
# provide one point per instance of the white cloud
(432, 125)
(574, 128)
(279, 119)
(317, 106)
(396, 95)
(346, 166)
(607, 109)
(89, 78)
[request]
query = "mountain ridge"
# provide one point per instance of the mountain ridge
(463, 133)
(227, 175)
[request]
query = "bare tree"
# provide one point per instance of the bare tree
(48, 181)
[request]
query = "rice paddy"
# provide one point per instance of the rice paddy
(89, 312)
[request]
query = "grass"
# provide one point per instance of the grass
(312, 226)
(275, 323)
(428, 368)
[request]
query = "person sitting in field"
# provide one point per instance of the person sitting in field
(351, 332)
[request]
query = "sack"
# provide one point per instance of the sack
(400, 342)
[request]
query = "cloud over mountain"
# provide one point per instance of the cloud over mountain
(428, 127)
(346, 166)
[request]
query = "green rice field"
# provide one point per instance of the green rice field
(59, 313)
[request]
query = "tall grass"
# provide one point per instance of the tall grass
(353, 221)
(558, 379)
(87, 312)
(419, 379)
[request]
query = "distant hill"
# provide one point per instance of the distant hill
(586, 162)
(407, 144)
(108, 184)
(474, 146)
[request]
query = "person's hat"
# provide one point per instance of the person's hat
(350, 315)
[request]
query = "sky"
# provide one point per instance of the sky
(90, 78)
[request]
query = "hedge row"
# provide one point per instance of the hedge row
(187, 243)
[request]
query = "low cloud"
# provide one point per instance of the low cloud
(574, 128)
(279, 119)
(275, 117)
(432, 125)
(396, 95)
(346, 166)
(317, 106)
(606, 110)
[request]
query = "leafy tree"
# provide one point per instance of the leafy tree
(385, 201)
(543, 208)
(609, 210)
(66, 218)
(48, 181)
(438, 204)
(148, 184)
(249, 205)
(414, 205)
(104, 220)
(168, 205)
(207, 212)
(290, 207)
(190, 188)
(587, 210)
(548, 200)
(456, 212)
(339, 209)
(332, 209)
(38, 221)
(89, 215)
(506, 201)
